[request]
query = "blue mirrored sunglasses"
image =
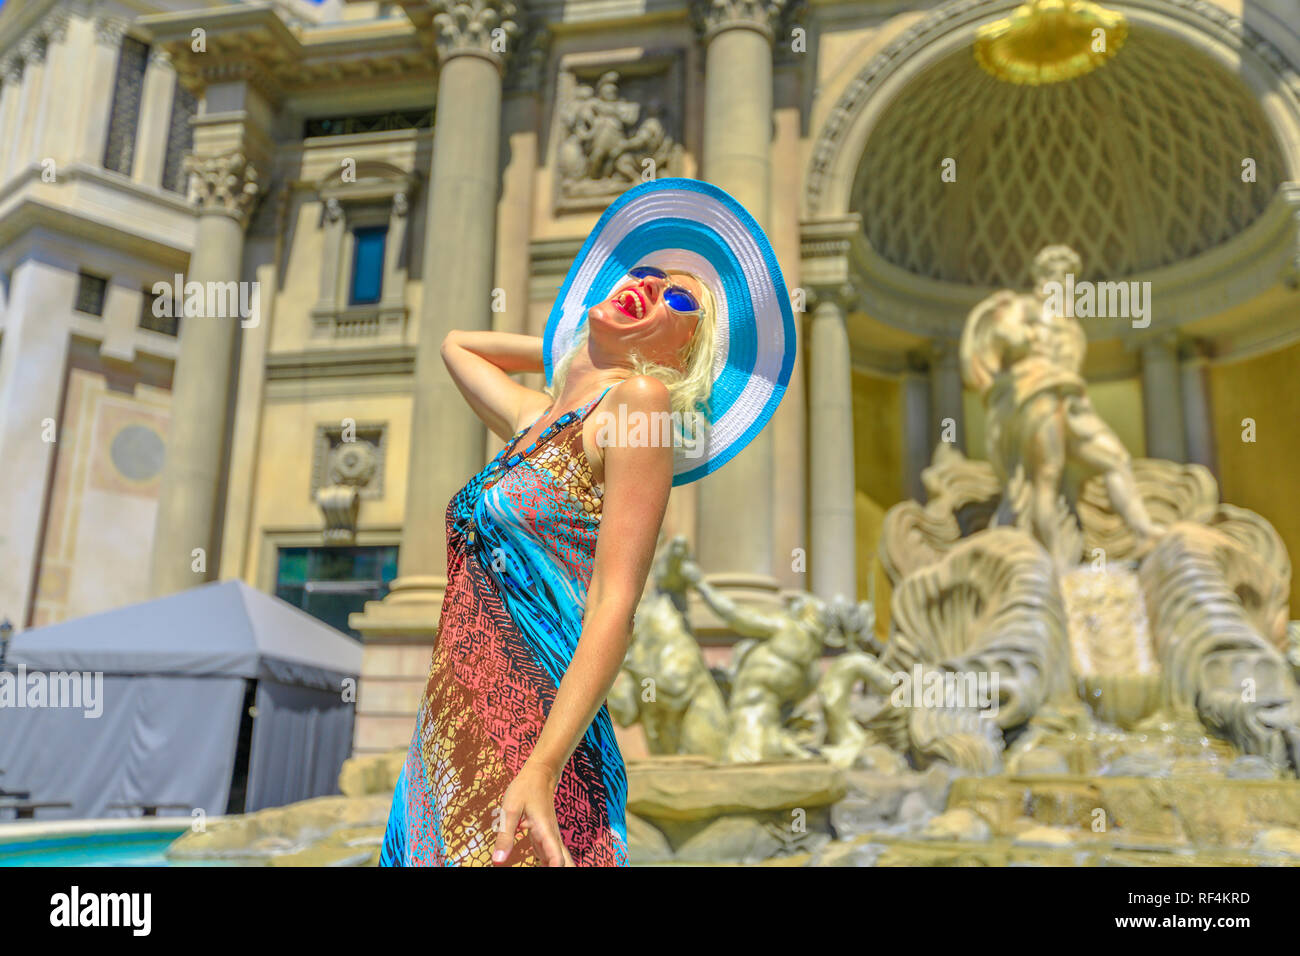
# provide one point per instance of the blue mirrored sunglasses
(675, 297)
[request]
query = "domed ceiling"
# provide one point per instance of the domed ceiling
(1136, 165)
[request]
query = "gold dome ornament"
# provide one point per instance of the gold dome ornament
(1050, 41)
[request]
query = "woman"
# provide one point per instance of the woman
(674, 311)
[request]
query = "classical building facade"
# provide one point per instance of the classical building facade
(349, 181)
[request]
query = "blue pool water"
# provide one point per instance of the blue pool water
(141, 848)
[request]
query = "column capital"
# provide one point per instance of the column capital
(34, 48)
(11, 70)
(844, 296)
(223, 185)
(1164, 343)
(109, 30)
(1193, 350)
(485, 28)
(55, 26)
(942, 351)
(713, 16)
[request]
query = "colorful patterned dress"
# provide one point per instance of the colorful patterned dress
(521, 537)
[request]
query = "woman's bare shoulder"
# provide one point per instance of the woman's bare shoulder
(642, 393)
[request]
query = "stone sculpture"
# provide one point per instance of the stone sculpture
(606, 145)
(775, 674)
(1163, 608)
(1024, 360)
(665, 684)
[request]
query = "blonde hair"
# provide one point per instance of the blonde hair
(689, 388)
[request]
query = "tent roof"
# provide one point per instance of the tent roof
(224, 628)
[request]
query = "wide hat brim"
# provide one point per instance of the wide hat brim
(693, 226)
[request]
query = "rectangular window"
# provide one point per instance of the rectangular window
(180, 139)
(368, 264)
(91, 290)
(128, 90)
(166, 324)
(331, 583)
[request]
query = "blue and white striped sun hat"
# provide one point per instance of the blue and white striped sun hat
(693, 226)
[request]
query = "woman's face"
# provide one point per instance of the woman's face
(635, 317)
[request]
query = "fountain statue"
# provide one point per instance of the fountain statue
(1141, 593)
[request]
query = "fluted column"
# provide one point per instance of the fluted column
(1196, 406)
(946, 393)
(22, 138)
(98, 81)
(11, 76)
(914, 384)
(225, 188)
(833, 539)
(155, 119)
(1162, 398)
(447, 439)
(734, 527)
(47, 133)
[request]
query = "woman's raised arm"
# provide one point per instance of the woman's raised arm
(480, 364)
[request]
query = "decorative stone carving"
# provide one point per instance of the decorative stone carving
(226, 184)
(665, 684)
(33, 48)
(989, 604)
(55, 26)
(772, 712)
(355, 459)
(340, 506)
(344, 472)
(1195, 639)
(109, 30)
(775, 668)
(11, 70)
(1218, 608)
(1170, 491)
(486, 27)
(1025, 361)
(713, 15)
(846, 296)
(961, 497)
(610, 140)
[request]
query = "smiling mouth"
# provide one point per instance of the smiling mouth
(630, 303)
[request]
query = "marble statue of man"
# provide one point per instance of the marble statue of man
(1025, 361)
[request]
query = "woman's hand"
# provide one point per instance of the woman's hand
(530, 799)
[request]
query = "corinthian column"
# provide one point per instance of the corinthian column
(447, 440)
(224, 188)
(734, 527)
(946, 394)
(11, 91)
(830, 447)
(1162, 398)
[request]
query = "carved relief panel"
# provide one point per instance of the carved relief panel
(616, 124)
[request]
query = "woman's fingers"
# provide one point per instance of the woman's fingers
(506, 835)
(546, 840)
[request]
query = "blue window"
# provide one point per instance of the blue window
(368, 264)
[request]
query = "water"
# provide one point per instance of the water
(142, 848)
